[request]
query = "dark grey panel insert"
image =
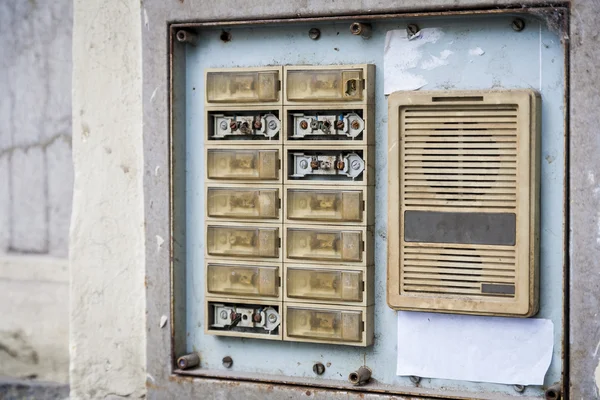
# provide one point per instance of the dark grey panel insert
(455, 227)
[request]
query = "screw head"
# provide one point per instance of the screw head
(272, 318)
(272, 124)
(256, 317)
(303, 164)
(415, 379)
(257, 124)
(233, 125)
(227, 362)
(412, 29)
(303, 124)
(355, 164)
(223, 314)
(319, 368)
(223, 125)
(314, 33)
(519, 388)
(339, 124)
(518, 24)
(355, 125)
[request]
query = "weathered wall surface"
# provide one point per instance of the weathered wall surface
(107, 234)
(36, 177)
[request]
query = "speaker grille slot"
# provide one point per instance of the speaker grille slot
(457, 269)
(462, 156)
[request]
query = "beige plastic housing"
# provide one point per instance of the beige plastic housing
(241, 164)
(230, 240)
(243, 114)
(315, 283)
(235, 86)
(244, 203)
(329, 205)
(305, 84)
(365, 112)
(459, 159)
(243, 280)
(209, 317)
(328, 244)
(365, 178)
(330, 324)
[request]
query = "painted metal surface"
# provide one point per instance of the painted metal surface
(532, 58)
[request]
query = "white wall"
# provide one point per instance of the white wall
(36, 177)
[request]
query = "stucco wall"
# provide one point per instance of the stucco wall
(36, 177)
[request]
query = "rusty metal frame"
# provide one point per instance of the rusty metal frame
(556, 16)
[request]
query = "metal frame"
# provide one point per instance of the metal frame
(165, 288)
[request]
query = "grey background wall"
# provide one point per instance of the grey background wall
(36, 180)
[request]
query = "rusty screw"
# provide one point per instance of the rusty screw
(257, 123)
(233, 125)
(227, 362)
(256, 318)
(314, 33)
(339, 124)
(314, 164)
(355, 125)
(518, 24)
(303, 124)
(319, 368)
(340, 165)
(412, 29)
(553, 393)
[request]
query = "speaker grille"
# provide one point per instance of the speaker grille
(456, 157)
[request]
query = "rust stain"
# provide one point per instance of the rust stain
(308, 393)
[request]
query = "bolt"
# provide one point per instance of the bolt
(233, 125)
(314, 164)
(223, 125)
(227, 362)
(272, 125)
(355, 125)
(187, 37)
(223, 314)
(257, 123)
(518, 24)
(272, 318)
(314, 33)
(412, 29)
(358, 28)
(339, 124)
(303, 164)
(303, 124)
(355, 165)
(415, 379)
(319, 368)
(519, 388)
(256, 317)
(340, 165)
(188, 361)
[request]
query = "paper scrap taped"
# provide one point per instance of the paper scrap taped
(474, 348)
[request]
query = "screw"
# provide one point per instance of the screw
(303, 164)
(355, 125)
(223, 125)
(412, 29)
(223, 314)
(257, 123)
(314, 33)
(272, 125)
(339, 124)
(314, 164)
(319, 368)
(355, 165)
(519, 388)
(227, 362)
(518, 24)
(415, 379)
(256, 317)
(233, 125)
(272, 318)
(340, 166)
(303, 124)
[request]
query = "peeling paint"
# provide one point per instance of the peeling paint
(435, 62)
(163, 321)
(477, 51)
(159, 242)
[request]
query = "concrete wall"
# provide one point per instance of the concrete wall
(36, 177)
(107, 336)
